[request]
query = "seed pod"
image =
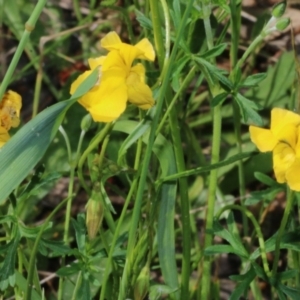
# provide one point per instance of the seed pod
(86, 122)
(142, 284)
(94, 217)
(283, 23)
(278, 9)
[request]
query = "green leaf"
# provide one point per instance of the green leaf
(275, 89)
(253, 80)
(21, 284)
(143, 20)
(69, 270)
(158, 291)
(244, 284)
(31, 232)
(247, 109)
(267, 194)
(80, 231)
(267, 180)
(205, 169)
(84, 292)
(58, 248)
(220, 98)
(289, 274)
(219, 249)
(230, 238)
(292, 293)
(215, 51)
(7, 269)
(213, 74)
(19, 156)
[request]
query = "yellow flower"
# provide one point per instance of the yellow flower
(10, 107)
(284, 140)
(118, 81)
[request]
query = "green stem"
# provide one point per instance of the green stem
(216, 141)
(35, 247)
(287, 211)
(258, 232)
(37, 89)
(235, 19)
(217, 121)
(94, 143)
(29, 26)
(183, 86)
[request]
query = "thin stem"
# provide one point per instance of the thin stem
(216, 141)
(235, 19)
(217, 122)
(29, 26)
(67, 141)
(167, 27)
(94, 143)
(183, 86)
(287, 212)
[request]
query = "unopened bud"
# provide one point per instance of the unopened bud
(86, 122)
(282, 24)
(278, 9)
(94, 217)
(142, 284)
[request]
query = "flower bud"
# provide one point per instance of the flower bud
(278, 9)
(86, 122)
(283, 23)
(142, 284)
(94, 217)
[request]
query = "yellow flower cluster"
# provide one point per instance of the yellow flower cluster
(10, 107)
(284, 140)
(118, 80)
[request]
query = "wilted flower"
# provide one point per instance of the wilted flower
(284, 140)
(118, 80)
(10, 107)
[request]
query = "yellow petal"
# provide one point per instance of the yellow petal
(110, 106)
(288, 134)
(262, 138)
(4, 136)
(111, 41)
(280, 118)
(147, 50)
(114, 60)
(283, 159)
(129, 54)
(297, 148)
(96, 62)
(293, 176)
(10, 107)
(139, 93)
